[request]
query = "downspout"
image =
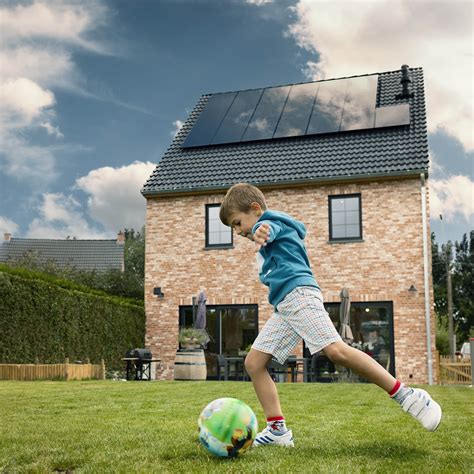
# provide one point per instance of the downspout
(426, 279)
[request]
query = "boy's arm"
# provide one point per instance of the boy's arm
(265, 232)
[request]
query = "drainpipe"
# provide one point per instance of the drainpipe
(426, 279)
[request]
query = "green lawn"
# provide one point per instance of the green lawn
(108, 426)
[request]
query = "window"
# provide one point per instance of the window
(217, 234)
(345, 217)
(372, 328)
(232, 330)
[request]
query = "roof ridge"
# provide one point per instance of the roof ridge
(309, 82)
(63, 240)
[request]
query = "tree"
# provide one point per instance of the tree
(463, 285)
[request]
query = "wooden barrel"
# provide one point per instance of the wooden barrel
(190, 365)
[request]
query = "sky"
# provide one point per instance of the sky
(92, 92)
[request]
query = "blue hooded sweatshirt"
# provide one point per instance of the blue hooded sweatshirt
(283, 262)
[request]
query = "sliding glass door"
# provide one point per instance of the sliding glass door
(232, 330)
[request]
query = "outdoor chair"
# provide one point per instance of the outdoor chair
(227, 370)
(278, 372)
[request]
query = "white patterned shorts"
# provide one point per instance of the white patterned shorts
(301, 315)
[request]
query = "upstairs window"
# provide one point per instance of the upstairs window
(345, 217)
(217, 234)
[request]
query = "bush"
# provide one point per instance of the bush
(47, 319)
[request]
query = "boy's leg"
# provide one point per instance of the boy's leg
(276, 432)
(256, 364)
(360, 362)
(416, 402)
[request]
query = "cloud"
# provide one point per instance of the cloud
(7, 226)
(66, 22)
(22, 101)
(258, 3)
(51, 130)
(451, 197)
(177, 127)
(358, 37)
(60, 216)
(38, 40)
(114, 198)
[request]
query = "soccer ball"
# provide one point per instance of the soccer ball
(227, 427)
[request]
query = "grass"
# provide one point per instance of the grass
(112, 426)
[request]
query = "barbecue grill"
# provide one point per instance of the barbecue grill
(139, 364)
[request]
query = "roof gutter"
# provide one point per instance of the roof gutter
(426, 279)
(287, 183)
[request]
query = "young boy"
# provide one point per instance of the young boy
(299, 314)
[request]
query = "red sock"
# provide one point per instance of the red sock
(395, 388)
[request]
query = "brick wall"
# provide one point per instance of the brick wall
(381, 268)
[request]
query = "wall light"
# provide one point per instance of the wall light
(157, 292)
(412, 289)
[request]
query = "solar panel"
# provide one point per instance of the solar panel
(295, 117)
(288, 111)
(392, 115)
(359, 104)
(238, 116)
(327, 110)
(266, 116)
(209, 119)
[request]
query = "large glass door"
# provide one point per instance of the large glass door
(232, 330)
(372, 328)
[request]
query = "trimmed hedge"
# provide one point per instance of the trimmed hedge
(41, 320)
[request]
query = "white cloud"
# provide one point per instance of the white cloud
(451, 197)
(38, 39)
(61, 216)
(177, 127)
(259, 3)
(114, 203)
(58, 20)
(7, 226)
(114, 195)
(23, 98)
(359, 37)
(51, 130)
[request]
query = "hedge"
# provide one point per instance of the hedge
(43, 321)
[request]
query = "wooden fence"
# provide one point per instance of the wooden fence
(64, 371)
(454, 371)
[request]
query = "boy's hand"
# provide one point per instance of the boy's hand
(261, 236)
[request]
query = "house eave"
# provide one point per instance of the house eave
(288, 183)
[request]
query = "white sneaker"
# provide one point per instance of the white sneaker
(422, 407)
(267, 437)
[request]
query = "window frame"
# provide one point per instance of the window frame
(216, 246)
(344, 239)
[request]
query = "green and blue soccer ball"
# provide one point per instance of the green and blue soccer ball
(227, 427)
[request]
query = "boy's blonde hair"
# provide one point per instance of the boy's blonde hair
(238, 199)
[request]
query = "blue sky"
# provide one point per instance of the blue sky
(93, 92)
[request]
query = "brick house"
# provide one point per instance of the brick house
(349, 158)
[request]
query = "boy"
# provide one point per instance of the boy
(299, 314)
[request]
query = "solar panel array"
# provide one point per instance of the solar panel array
(291, 111)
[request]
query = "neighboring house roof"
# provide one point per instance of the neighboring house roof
(391, 151)
(97, 255)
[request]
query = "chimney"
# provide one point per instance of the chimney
(7, 237)
(120, 238)
(405, 82)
